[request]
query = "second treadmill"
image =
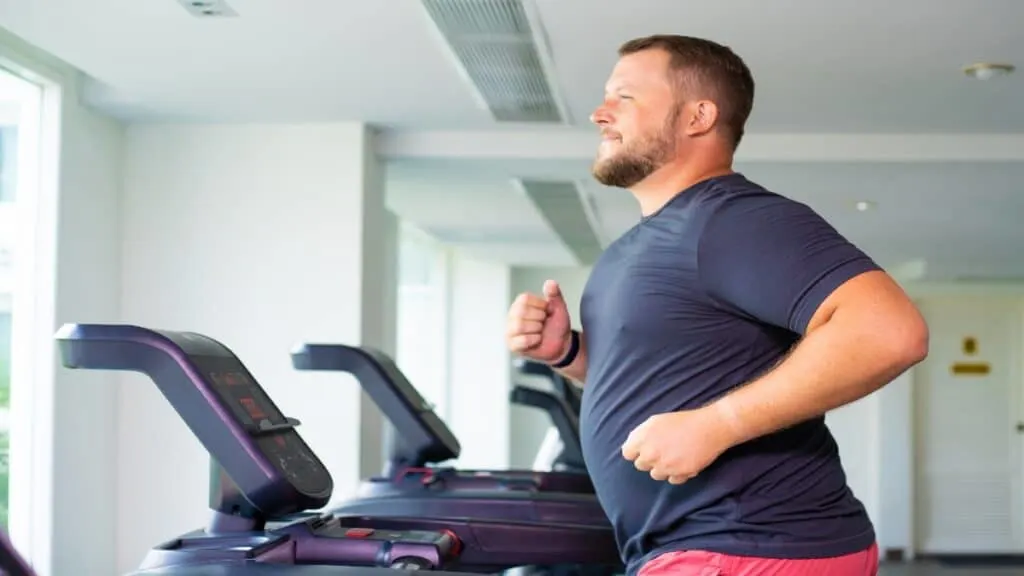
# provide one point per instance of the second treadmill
(413, 482)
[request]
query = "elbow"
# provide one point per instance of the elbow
(910, 342)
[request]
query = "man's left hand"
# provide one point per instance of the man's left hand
(676, 446)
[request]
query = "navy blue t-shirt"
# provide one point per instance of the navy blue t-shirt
(698, 298)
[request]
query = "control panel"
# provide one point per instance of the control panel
(220, 401)
(273, 434)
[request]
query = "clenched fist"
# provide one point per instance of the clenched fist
(676, 446)
(538, 326)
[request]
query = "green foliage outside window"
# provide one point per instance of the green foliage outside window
(5, 437)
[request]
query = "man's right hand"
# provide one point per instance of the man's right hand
(538, 326)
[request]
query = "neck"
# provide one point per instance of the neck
(668, 181)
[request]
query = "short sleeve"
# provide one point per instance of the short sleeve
(774, 259)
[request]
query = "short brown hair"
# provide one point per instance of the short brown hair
(706, 70)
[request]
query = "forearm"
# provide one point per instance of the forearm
(577, 370)
(845, 359)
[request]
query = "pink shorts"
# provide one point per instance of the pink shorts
(699, 563)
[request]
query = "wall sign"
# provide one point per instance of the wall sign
(969, 347)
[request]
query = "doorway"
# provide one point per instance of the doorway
(969, 428)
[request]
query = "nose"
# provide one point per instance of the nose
(601, 115)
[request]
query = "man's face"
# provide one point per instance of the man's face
(637, 120)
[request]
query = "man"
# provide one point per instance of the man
(716, 333)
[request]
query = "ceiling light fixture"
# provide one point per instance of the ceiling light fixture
(988, 70)
(864, 206)
(208, 8)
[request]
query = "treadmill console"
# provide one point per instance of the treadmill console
(273, 433)
(220, 401)
(423, 436)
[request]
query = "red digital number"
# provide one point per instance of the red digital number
(252, 408)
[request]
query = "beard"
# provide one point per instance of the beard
(633, 163)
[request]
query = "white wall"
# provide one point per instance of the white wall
(423, 293)
(73, 421)
(893, 458)
(856, 430)
(479, 361)
(88, 278)
(260, 236)
(528, 426)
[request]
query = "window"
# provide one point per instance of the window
(20, 120)
(422, 350)
(9, 120)
(5, 404)
(8, 153)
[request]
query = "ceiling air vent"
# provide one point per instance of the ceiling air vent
(495, 45)
(561, 205)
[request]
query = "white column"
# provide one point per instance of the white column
(895, 521)
(479, 362)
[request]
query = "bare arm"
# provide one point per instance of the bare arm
(779, 262)
(862, 336)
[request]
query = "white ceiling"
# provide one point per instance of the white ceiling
(868, 67)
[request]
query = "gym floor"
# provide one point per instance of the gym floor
(939, 569)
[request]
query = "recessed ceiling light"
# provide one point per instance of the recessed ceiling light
(864, 205)
(988, 70)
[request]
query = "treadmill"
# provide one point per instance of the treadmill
(413, 483)
(570, 393)
(423, 442)
(266, 481)
(561, 449)
(13, 564)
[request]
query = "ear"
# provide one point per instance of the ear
(700, 117)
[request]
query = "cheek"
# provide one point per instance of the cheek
(630, 132)
(639, 130)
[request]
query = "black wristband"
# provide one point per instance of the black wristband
(574, 349)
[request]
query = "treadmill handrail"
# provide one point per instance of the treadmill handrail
(571, 393)
(563, 386)
(561, 415)
(422, 436)
(533, 368)
(155, 354)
